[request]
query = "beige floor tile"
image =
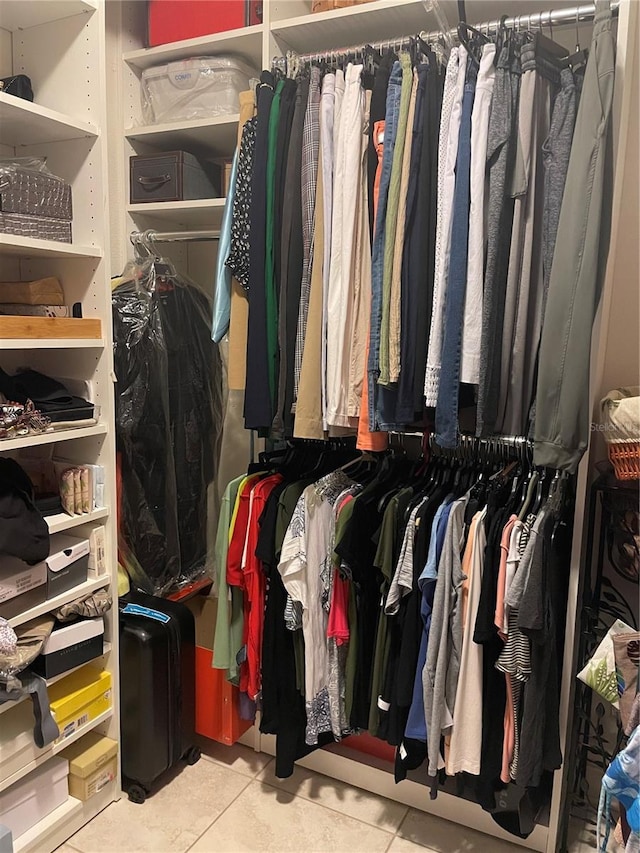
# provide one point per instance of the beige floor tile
(267, 819)
(65, 848)
(354, 802)
(170, 820)
(443, 836)
(238, 757)
(403, 845)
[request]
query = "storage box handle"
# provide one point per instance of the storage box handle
(154, 182)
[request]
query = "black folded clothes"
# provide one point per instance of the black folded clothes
(49, 396)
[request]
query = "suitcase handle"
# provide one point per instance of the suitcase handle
(154, 182)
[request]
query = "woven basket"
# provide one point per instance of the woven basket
(625, 458)
(621, 427)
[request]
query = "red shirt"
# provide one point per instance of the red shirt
(254, 589)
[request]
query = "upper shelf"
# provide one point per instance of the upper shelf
(212, 136)
(353, 25)
(30, 247)
(245, 42)
(204, 212)
(20, 14)
(386, 20)
(24, 123)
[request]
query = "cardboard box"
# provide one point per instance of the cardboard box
(67, 563)
(17, 746)
(89, 754)
(93, 763)
(84, 789)
(21, 586)
(70, 646)
(79, 698)
(27, 802)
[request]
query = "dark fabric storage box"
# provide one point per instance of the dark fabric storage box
(70, 646)
(34, 193)
(171, 176)
(67, 563)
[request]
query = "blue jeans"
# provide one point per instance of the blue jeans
(447, 404)
(377, 252)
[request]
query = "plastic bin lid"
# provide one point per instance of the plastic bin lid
(203, 63)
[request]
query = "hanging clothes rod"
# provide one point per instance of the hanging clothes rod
(552, 18)
(149, 236)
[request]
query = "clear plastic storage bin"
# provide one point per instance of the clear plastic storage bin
(198, 88)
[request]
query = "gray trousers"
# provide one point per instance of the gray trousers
(561, 430)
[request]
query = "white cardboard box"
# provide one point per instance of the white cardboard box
(34, 797)
(21, 585)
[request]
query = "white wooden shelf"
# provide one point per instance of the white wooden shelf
(30, 247)
(21, 14)
(23, 123)
(52, 437)
(54, 749)
(64, 822)
(214, 136)
(206, 212)
(90, 585)
(354, 25)
(61, 521)
(51, 343)
(59, 816)
(245, 42)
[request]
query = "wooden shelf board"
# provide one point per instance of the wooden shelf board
(51, 343)
(60, 329)
(52, 437)
(354, 25)
(205, 212)
(23, 123)
(245, 42)
(21, 14)
(215, 137)
(90, 585)
(61, 521)
(30, 247)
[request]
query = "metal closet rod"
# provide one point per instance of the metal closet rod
(142, 237)
(552, 18)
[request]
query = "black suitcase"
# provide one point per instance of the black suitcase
(157, 690)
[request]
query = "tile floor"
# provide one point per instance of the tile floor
(231, 801)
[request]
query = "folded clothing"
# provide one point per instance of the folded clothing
(48, 395)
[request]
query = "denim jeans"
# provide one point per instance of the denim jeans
(447, 404)
(377, 257)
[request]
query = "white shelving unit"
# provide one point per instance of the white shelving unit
(289, 24)
(60, 45)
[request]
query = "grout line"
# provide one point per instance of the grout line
(249, 781)
(329, 808)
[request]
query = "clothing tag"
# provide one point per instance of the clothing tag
(384, 706)
(403, 752)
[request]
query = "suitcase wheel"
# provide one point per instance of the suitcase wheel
(137, 793)
(192, 755)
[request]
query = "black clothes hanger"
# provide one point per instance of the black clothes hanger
(501, 37)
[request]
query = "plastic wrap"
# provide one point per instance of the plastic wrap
(28, 188)
(198, 88)
(169, 415)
